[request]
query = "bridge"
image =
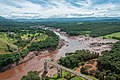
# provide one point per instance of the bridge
(60, 68)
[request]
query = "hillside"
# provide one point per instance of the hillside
(17, 42)
(86, 19)
(1, 17)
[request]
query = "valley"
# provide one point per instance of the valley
(59, 39)
(79, 43)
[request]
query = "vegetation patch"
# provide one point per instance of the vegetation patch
(17, 42)
(94, 29)
(65, 76)
(109, 64)
(112, 36)
(73, 60)
(32, 75)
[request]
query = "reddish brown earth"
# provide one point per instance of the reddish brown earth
(92, 64)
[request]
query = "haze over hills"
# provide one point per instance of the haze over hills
(89, 19)
(2, 17)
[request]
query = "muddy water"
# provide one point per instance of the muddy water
(71, 45)
(34, 64)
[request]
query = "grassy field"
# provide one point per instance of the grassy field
(5, 37)
(8, 40)
(3, 47)
(112, 36)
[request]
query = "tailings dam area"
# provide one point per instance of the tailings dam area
(71, 44)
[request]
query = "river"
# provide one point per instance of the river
(71, 45)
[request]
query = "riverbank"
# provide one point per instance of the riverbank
(94, 45)
(31, 55)
(68, 44)
(16, 72)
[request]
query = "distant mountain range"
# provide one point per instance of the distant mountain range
(89, 19)
(2, 17)
(85, 19)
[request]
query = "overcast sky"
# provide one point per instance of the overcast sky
(59, 8)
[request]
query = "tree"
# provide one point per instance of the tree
(110, 78)
(32, 75)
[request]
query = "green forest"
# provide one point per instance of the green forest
(94, 29)
(32, 75)
(109, 63)
(78, 58)
(17, 42)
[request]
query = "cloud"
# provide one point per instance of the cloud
(59, 8)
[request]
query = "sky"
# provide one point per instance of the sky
(33, 9)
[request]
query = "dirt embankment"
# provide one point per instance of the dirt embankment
(22, 60)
